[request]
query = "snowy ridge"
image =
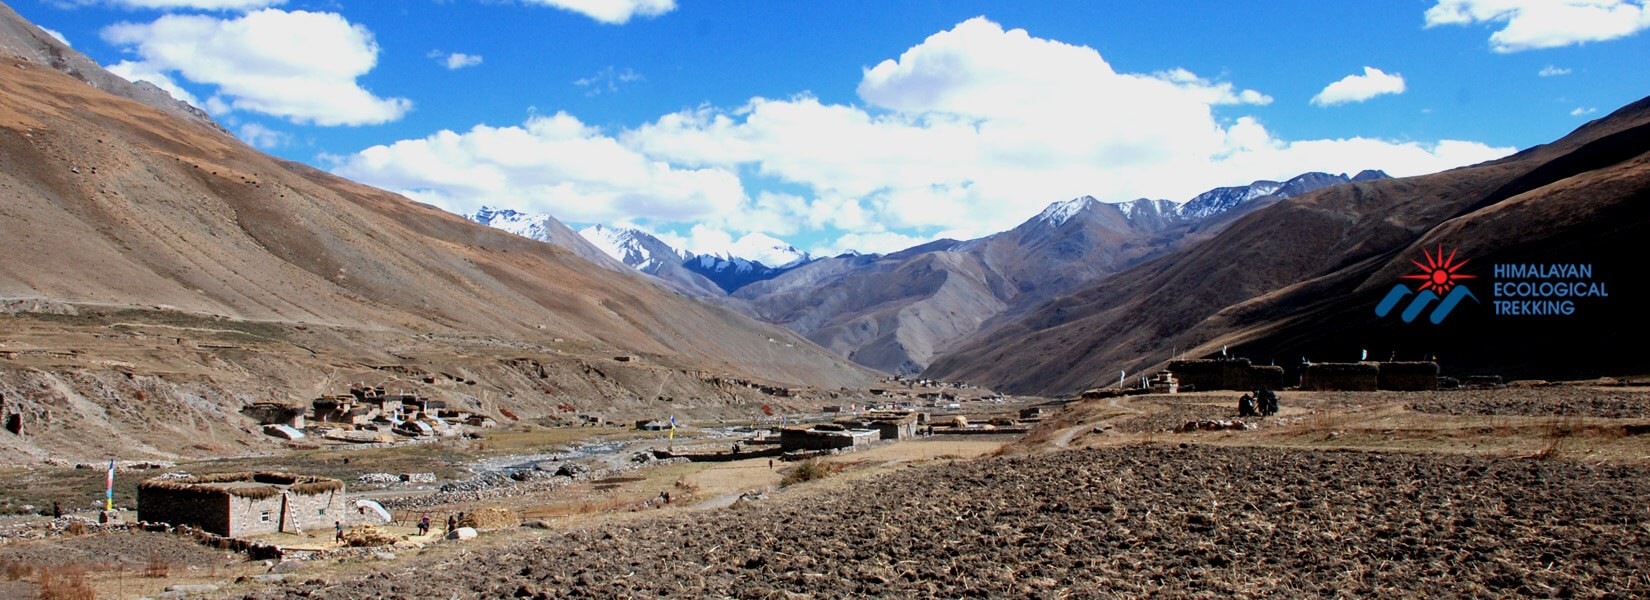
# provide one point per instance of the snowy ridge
(519, 223)
(1058, 213)
(633, 247)
(1222, 199)
(767, 250)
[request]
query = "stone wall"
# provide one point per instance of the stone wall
(1408, 376)
(204, 509)
(1344, 377)
(1229, 374)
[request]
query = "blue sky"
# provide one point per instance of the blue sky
(870, 125)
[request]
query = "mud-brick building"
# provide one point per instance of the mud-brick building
(826, 437)
(245, 504)
(890, 425)
(1342, 377)
(1225, 374)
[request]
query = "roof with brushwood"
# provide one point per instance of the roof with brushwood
(256, 485)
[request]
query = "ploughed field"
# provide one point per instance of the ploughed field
(1124, 521)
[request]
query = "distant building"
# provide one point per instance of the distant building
(1225, 374)
(245, 504)
(826, 437)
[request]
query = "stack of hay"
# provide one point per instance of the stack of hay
(368, 535)
(491, 518)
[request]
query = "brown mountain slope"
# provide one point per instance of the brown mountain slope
(1303, 277)
(128, 216)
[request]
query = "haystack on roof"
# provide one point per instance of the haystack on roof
(256, 485)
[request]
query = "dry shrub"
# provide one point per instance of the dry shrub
(15, 570)
(75, 527)
(1558, 432)
(807, 470)
(157, 567)
(67, 582)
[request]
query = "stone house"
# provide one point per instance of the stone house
(826, 437)
(247, 503)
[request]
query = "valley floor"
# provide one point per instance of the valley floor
(1533, 491)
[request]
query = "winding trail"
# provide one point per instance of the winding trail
(1063, 440)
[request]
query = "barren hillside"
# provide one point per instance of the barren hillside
(121, 222)
(1301, 278)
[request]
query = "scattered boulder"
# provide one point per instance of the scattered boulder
(1214, 425)
(462, 533)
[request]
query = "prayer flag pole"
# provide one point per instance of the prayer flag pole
(109, 490)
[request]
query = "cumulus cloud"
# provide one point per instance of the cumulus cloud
(1552, 71)
(612, 12)
(554, 164)
(1358, 88)
(140, 71)
(970, 132)
(262, 137)
(301, 66)
(238, 5)
(1535, 24)
(57, 34)
(1582, 111)
(455, 60)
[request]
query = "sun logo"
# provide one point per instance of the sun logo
(1440, 282)
(1439, 273)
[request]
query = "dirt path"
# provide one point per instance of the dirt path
(1063, 440)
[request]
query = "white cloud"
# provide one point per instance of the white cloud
(1535, 24)
(300, 65)
(455, 60)
(553, 164)
(959, 137)
(607, 80)
(262, 137)
(876, 242)
(57, 34)
(1583, 111)
(238, 5)
(1552, 71)
(138, 71)
(612, 12)
(1358, 88)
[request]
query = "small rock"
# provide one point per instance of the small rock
(204, 588)
(381, 555)
(537, 524)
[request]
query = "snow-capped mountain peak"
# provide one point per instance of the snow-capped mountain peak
(1059, 212)
(768, 250)
(513, 221)
(633, 247)
(1223, 199)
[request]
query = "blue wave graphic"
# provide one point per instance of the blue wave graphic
(1455, 296)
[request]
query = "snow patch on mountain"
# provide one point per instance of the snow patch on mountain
(1058, 213)
(633, 247)
(768, 250)
(519, 223)
(1222, 199)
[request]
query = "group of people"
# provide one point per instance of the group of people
(1263, 404)
(452, 523)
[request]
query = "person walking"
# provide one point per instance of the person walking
(424, 525)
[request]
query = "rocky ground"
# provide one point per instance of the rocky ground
(1566, 401)
(1128, 521)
